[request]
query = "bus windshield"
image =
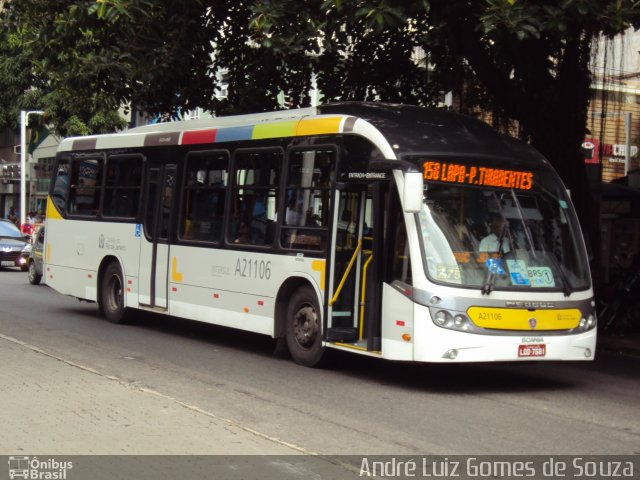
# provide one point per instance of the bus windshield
(491, 228)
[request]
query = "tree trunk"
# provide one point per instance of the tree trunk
(557, 128)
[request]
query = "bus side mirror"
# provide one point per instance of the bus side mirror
(412, 195)
(413, 185)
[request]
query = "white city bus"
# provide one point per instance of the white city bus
(386, 230)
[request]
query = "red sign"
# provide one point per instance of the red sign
(532, 350)
(590, 150)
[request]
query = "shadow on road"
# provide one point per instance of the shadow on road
(436, 378)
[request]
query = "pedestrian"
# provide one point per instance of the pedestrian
(13, 216)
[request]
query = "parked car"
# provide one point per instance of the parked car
(14, 246)
(36, 256)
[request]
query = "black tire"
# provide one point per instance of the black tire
(112, 294)
(304, 328)
(34, 276)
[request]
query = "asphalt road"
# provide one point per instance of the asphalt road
(358, 406)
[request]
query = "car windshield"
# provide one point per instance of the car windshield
(9, 230)
(477, 233)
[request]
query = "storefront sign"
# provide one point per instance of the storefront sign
(618, 150)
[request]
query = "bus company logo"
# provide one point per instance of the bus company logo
(35, 469)
(518, 304)
(532, 323)
(101, 241)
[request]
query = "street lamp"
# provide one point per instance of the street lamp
(24, 118)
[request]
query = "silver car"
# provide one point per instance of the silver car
(36, 257)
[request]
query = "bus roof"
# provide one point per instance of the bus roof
(406, 129)
(436, 132)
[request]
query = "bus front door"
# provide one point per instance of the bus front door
(353, 305)
(154, 251)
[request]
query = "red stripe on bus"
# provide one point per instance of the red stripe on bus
(199, 136)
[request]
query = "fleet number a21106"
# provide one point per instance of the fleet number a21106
(248, 268)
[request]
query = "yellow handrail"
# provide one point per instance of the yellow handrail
(346, 273)
(362, 295)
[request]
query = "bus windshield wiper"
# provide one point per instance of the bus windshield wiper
(566, 285)
(525, 227)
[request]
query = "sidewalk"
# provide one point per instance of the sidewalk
(51, 406)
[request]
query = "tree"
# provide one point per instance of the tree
(532, 61)
(526, 63)
(83, 60)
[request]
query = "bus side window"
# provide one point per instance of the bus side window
(254, 196)
(60, 185)
(307, 199)
(86, 184)
(205, 193)
(122, 186)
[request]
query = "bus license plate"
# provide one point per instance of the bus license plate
(7, 264)
(532, 350)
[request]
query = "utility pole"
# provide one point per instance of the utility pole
(24, 119)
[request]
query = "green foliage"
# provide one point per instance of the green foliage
(534, 20)
(88, 58)
(525, 62)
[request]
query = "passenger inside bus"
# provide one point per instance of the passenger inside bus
(499, 230)
(244, 233)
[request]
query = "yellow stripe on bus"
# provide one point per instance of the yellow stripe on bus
(319, 266)
(523, 319)
(52, 211)
(318, 126)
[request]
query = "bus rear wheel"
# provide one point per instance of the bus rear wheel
(304, 330)
(112, 294)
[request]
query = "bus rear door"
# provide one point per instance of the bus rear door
(160, 185)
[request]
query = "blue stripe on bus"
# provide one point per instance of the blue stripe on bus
(234, 133)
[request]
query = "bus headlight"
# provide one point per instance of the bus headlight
(587, 323)
(460, 320)
(442, 317)
(453, 320)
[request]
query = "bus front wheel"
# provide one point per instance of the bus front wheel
(112, 294)
(304, 330)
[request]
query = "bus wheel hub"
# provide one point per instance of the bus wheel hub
(306, 326)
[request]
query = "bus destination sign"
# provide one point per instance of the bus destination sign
(476, 175)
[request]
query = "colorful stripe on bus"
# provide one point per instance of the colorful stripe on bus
(323, 125)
